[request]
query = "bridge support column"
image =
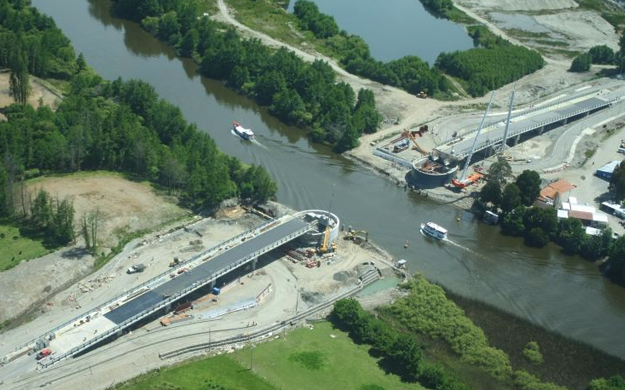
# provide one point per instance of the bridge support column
(516, 138)
(542, 129)
(212, 284)
(254, 264)
(565, 122)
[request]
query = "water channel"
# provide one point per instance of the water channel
(561, 293)
(396, 28)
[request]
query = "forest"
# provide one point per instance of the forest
(120, 126)
(494, 63)
(299, 93)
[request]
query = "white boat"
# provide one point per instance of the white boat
(433, 230)
(242, 132)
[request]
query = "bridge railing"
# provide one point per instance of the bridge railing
(480, 146)
(121, 326)
(528, 111)
(99, 308)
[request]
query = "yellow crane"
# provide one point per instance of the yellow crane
(326, 240)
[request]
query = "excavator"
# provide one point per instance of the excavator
(357, 235)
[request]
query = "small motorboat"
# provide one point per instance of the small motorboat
(433, 230)
(242, 132)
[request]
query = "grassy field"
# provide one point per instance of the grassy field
(204, 374)
(15, 247)
(322, 358)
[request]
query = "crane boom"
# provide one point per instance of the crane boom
(479, 129)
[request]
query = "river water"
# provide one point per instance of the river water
(561, 293)
(396, 28)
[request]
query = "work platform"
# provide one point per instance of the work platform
(110, 319)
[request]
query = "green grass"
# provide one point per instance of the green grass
(312, 359)
(15, 247)
(200, 375)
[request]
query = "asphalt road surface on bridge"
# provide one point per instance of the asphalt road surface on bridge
(203, 271)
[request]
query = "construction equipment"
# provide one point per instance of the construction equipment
(401, 146)
(357, 235)
(326, 240)
(463, 182)
(422, 95)
(175, 262)
(416, 146)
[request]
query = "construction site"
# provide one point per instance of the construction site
(446, 152)
(194, 290)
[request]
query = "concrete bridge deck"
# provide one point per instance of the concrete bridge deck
(111, 318)
(529, 120)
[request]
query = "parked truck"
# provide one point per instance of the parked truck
(43, 353)
(135, 268)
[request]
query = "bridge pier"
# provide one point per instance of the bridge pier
(515, 140)
(566, 120)
(542, 129)
(254, 264)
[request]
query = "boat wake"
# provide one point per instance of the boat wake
(464, 248)
(253, 141)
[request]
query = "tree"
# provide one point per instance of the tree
(602, 54)
(491, 192)
(90, 224)
(499, 171)
(529, 186)
(581, 63)
(19, 82)
(513, 222)
(617, 182)
(615, 266)
(536, 237)
(511, 198)
(615, 382)
(571, 235)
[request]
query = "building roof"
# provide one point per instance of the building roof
(563, 214)
(586, 216)
(593, 231)
(600, 217)
(609, 168)
(561, 186)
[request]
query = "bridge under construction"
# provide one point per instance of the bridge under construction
(99, 325)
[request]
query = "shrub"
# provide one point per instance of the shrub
(532, 353)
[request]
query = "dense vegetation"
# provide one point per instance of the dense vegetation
(299, 93)
(539, 226)
(118, 126)
(426, 312)
(617, 182)
(28, 37)
(493, 64)
(322, 25)
(400, 353)
(565, 361)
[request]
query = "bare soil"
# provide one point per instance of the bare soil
(39, 92)
(125, 206)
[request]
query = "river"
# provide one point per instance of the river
(561, 293)
(396, 28)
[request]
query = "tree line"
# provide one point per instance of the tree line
(539, 226)
(493, 64)
(400, 353)
(601, 54)
(118, 126)
(299, 93)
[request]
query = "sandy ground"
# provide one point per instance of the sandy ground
(294, 289)
(124, 205)
(39, 91)
(561, 20)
